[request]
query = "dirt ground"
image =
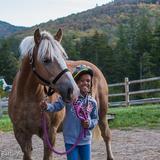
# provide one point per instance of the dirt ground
(136, 144)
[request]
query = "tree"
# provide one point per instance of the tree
(96, 50)
(156, 51)
(8, 63)
(123, 54)
(142, 46)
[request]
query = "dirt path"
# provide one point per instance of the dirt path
(134, 144)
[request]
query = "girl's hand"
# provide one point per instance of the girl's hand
(43, 105)
(85, 123)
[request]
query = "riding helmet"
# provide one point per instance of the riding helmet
(80, 70)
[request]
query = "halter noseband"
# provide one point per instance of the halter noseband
(32, 62)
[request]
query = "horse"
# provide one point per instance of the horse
(43, 64)
(44, 57)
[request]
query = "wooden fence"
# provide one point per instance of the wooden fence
(3, 106)
(127, 93)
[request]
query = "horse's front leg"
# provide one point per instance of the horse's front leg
(52, 137)
(25, 142)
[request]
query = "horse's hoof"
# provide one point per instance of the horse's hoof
(110, 158)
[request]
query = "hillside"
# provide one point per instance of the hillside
(121, 39)
(7, 29)
(105, 18)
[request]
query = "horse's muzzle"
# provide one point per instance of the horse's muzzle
(68, 92)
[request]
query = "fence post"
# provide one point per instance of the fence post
(127, 91)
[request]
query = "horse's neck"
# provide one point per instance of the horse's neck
(27, 83)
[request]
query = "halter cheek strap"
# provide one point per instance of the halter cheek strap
(32, 62)
(59, 75)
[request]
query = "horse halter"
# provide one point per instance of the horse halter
(32, 62)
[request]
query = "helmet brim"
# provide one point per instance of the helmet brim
(82, 72)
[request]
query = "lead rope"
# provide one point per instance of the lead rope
(81, 114)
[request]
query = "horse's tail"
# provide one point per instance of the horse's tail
(97, 133)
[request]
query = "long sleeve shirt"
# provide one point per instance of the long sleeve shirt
(72, 124)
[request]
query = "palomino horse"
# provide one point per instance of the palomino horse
(28, 91)
(43, 63)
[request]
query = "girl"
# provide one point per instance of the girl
(72, 125)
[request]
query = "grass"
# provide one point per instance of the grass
(5, 123)
(145, 116)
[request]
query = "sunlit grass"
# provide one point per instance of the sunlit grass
(5, 123)
(146, 116)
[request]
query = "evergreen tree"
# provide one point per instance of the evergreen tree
(96, 50)
(8, 63)
(70, 44)
(156, 51)
(142, 46)
(123, 54)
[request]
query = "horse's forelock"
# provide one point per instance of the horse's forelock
(43, 48)
(47, 43)
(53, 47)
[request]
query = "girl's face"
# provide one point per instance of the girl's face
(84, 84)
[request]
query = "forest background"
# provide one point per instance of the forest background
(122, 39)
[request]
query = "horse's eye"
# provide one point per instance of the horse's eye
(47, 60)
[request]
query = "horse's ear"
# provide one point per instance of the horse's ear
(59, 35)
(37, 36)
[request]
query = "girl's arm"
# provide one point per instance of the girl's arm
(56, 106)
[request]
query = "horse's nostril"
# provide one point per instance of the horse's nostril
(69, 93)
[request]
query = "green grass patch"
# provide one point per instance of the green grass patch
(146, 116)
(5, 123)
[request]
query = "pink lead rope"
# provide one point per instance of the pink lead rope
(81, 114)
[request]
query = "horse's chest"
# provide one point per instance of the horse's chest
(28, 116)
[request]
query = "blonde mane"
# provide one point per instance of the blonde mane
(48, 43)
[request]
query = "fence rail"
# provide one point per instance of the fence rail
(3, 106)
(127, 93)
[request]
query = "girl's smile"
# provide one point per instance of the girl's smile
(84, 84)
